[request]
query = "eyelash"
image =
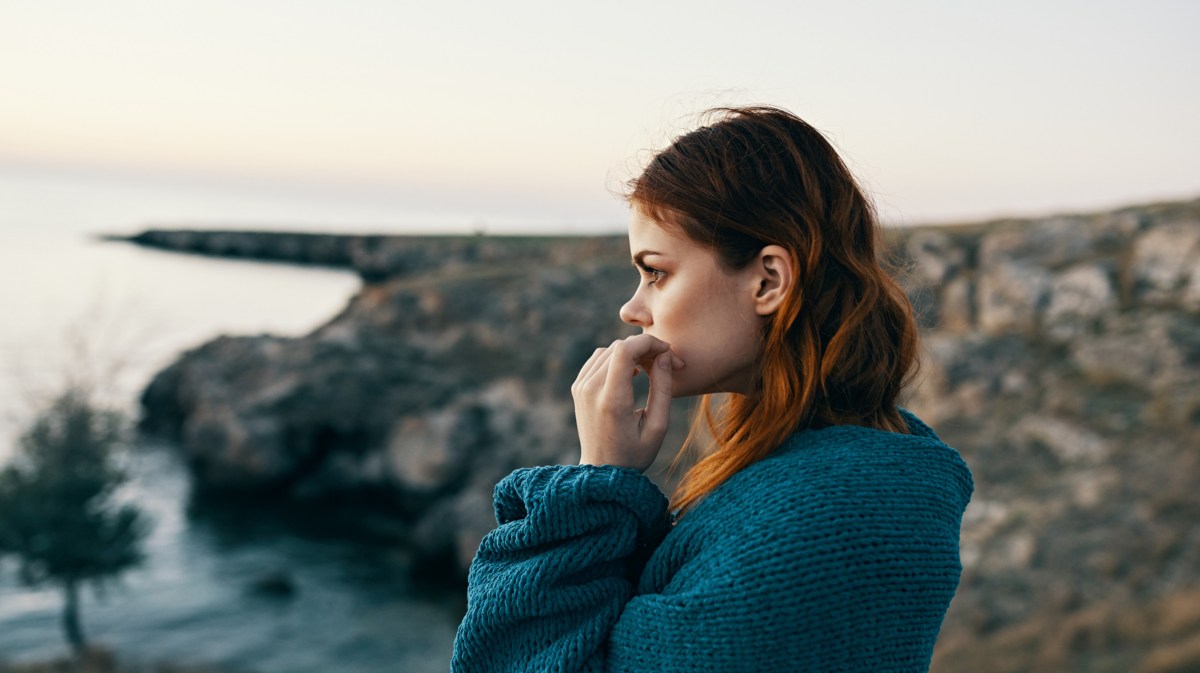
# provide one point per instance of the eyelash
(654, 275)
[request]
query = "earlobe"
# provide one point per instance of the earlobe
(776, 275)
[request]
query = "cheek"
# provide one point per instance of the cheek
(707, 347)
(709, 368)
(720, 347)
(680, 323)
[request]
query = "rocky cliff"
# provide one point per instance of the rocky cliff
(375, 257)
(430, 386)
(1062, 357)
(1063, 360)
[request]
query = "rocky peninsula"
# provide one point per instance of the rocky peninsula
(1061, 357)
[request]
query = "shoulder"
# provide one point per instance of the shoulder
(844, 540)
(849, 477)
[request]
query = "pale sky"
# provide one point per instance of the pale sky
(945, 110)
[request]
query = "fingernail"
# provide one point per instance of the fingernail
(677, 362)
(663, 361)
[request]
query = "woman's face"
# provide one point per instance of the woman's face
(704, 311)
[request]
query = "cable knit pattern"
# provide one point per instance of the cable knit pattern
(838, 552)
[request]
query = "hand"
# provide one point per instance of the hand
(611, 431)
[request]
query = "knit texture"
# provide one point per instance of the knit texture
(837, 552)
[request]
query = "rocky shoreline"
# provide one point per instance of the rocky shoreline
(375, 257)
(1062, 358)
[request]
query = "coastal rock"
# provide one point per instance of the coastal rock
(1078, 297)
(377, 257)
(418, 397)
(1155, 350)
(957, 306)
(1061, 357)
(1166, 259)
(935, 257)
(1055, 241)
(331, 250)
(1070, 443)
(1012, 296)
(960, 377)
(427, 452)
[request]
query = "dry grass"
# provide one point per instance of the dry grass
(1181, 657)
(1178, 615)
(1113, 636)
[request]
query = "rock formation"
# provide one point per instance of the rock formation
(1062, 358)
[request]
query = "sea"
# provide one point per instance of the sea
(76, 309)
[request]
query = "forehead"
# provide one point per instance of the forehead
(647, 234)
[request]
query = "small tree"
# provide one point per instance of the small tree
(57, 517)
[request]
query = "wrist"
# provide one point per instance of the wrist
(595, 460)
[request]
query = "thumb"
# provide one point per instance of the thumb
(658, 406)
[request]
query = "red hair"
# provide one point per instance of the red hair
(844, 342)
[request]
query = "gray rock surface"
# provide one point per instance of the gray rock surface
(425, 391)
(1061, 356)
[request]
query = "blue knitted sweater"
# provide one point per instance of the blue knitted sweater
(837, 552)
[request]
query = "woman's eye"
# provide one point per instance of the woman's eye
(652, 275)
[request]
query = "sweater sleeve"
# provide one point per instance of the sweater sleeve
(850, 570)
(548, 584)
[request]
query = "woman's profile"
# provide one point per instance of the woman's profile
(821, 531)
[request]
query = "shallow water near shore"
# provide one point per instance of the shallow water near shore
(203, 597)
(117, 314)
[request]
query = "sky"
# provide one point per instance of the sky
(946, 111)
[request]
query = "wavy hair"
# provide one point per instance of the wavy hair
(843, 344)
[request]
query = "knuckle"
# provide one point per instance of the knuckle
(609, 407)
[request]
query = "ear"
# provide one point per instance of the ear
(775, 274)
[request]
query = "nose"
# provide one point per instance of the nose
(635, 313)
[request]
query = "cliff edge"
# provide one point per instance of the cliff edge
(1061, 357)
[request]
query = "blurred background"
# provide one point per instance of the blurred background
(386, 234)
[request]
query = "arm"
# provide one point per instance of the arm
(853, 579)
(547, 585)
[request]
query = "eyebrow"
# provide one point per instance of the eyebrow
(640, 258)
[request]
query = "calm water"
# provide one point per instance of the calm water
(116, 314)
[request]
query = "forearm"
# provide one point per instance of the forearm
(548, 584)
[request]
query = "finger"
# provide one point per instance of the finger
(641, 346)
(594, 363)
(598, 379)
(633, 352)
(588, 366)
(677, 363)
(600, 366)
(658, 405)
(614, 385)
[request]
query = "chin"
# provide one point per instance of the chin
(681, 389)
(691, 388)
(681, 394)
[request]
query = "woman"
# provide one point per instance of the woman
(821, 532)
